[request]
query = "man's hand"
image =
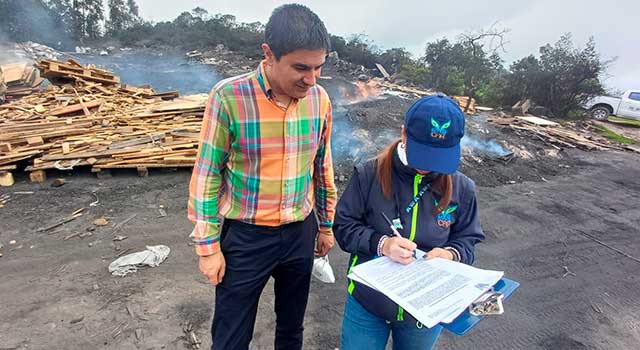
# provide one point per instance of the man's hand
(399, 249)
(324, 244)
(439, 253)
(213, 267)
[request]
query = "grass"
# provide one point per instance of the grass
(632, 122)
(615, 137)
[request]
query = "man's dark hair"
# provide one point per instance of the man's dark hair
(292, 27)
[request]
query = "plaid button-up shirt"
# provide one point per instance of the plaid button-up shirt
(261, 163)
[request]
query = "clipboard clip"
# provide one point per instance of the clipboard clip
(489, 303)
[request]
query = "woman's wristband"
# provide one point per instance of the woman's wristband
(454, 252)
(380, 245)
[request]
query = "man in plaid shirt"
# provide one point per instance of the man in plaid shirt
(262, 190)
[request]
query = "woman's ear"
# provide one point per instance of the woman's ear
(404, 135)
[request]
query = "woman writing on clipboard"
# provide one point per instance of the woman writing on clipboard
(415, 185)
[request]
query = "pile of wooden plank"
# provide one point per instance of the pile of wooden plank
(554, 134)
(20, 79)
(70, 71)
(99, 125)
(461, 100)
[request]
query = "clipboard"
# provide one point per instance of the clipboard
(463, 323)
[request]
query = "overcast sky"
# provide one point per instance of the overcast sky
(411, 23)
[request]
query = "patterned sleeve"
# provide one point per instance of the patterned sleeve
(325, 189)
(206, 179)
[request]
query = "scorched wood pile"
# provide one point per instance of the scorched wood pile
(93, 121)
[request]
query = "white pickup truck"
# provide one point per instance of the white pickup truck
(627, 106)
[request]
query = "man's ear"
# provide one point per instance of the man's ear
(268, 54)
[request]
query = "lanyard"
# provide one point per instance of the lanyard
(417, 197)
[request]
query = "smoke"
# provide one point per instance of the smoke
(164, 71)
(31, 20)
(9, 53)
(488, 147)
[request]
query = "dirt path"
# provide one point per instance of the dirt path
(58, 294)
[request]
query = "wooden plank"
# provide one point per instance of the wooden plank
(537, 121)
(13, 72)
(38, 176)
(383, 71)
(5, 147)
(74, 62)
(6, 179)
(147, 165)
(76, 107)
(21, 154)
(143, 171)
(47, 135)
(35, 141)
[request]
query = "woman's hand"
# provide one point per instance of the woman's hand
(439, 253)
(399, 249)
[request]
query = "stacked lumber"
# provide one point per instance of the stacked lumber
(70, 71)
(20, 79)
(554, 134)
(89, 124)
(461, 100)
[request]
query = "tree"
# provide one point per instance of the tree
(394, 59)
(87, 17)
(200, 13)
(133, 8)
(65, 14)
(359, 49)
(119, 17)
(476, 65)
(561, 79)
(32, 20)
(466, 66)
(442, 58)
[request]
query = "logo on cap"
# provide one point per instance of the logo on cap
(439, 131)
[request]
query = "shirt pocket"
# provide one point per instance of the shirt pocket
(306, 131)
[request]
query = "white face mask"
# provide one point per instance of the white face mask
(402, 153)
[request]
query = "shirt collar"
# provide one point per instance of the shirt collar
(263, 81)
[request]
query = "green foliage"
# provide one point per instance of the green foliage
(615, 136)
(561, 79)
(196, 30)
(461, 68)
(86, 18)
(415, 72)
(619, 120)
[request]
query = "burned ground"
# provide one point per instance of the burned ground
(575, 292)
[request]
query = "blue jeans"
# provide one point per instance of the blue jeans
(363, 330)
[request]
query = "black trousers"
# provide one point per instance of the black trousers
(253, 254)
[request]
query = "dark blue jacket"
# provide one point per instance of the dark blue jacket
(359, 224)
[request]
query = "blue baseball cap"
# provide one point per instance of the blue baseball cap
(434, 126)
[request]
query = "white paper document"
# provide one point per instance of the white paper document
(433, 291)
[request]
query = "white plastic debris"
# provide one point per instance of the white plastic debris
(153, 256)
(322, 270)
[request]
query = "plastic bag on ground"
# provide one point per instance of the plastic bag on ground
(153, 256)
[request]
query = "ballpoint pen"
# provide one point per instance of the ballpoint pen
(393, 228)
